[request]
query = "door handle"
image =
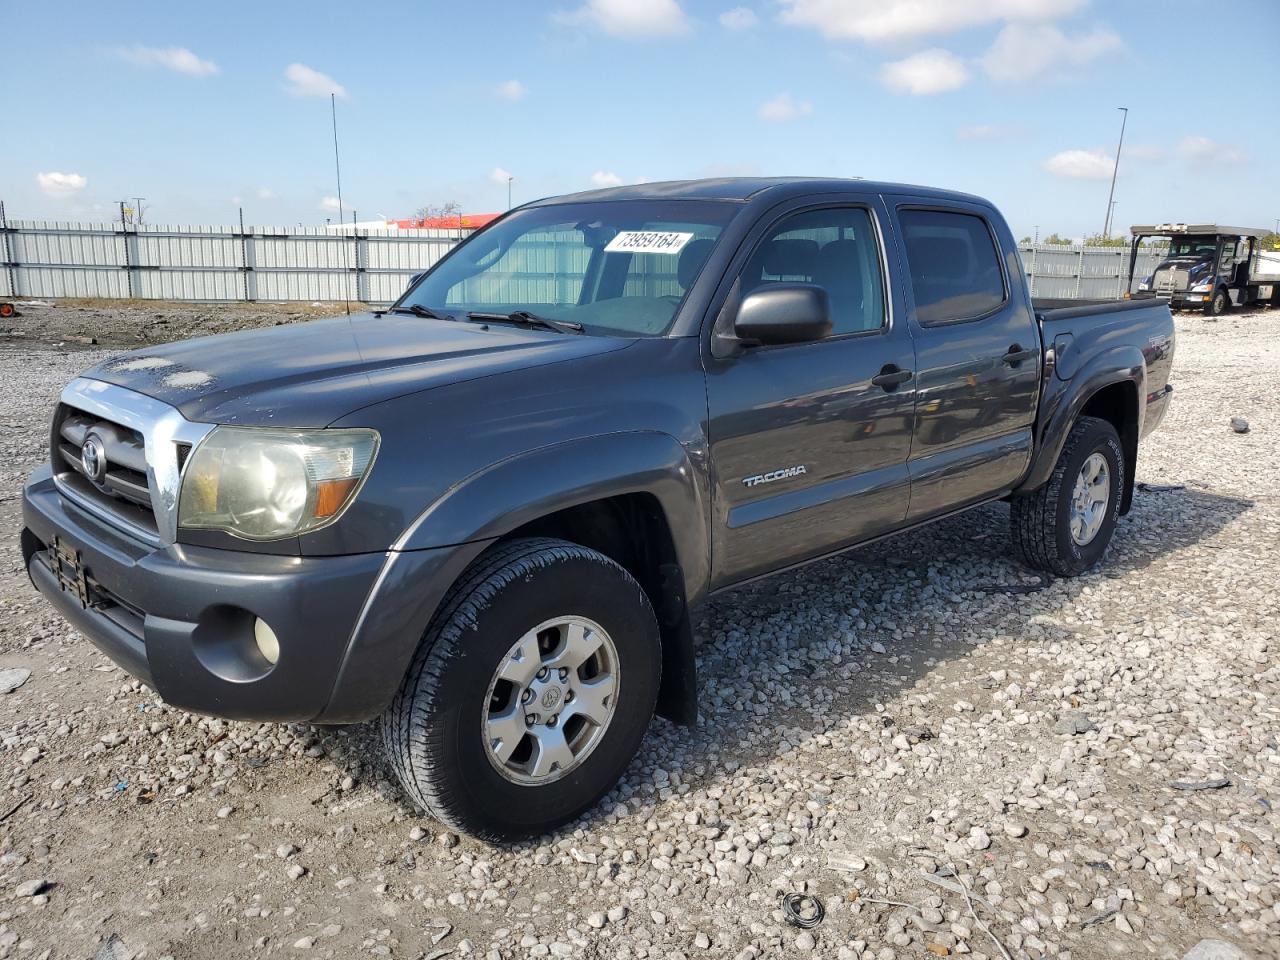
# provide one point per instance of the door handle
(1016, 355)
(891, 377)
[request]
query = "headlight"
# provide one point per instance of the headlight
(268, 484)
(1202, 285)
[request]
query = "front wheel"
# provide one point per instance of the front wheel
(1217, 306)
(530, 692)
(1064, 527)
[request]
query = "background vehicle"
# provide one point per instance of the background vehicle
(1209, 266)
(485, 514)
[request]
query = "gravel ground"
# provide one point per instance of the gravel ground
(896, 731)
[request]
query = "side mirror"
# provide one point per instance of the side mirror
(784, 313)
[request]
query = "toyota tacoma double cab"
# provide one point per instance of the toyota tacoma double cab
(484, 514)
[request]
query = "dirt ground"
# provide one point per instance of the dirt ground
(956, 756)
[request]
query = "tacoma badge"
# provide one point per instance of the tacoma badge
(786, 473)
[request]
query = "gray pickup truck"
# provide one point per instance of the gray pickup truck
(484, 514)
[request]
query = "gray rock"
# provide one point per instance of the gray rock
(1239, 424)
(1073, 723)
(1211, 949)
(12, 678)
(31, 888)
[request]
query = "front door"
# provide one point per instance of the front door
(809, 442)
(977, 355)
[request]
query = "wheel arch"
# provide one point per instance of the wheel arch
(1111, 387)
(638, 498)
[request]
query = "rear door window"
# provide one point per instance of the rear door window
(954, 265)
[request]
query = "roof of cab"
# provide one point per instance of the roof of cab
(749, 188)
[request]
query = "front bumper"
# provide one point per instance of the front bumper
(1176, 298)
(180, 618)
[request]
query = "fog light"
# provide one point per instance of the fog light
(268, 645)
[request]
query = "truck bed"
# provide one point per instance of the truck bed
(1048, 308)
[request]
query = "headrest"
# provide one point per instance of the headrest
(838, 261)
(939, 258)
(692, 257)
(791, 258)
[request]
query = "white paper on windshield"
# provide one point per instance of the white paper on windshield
(648, 241)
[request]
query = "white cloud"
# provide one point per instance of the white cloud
(1082, 164)
(605, 178)
(926, 72)
(784, 107)
(178, 59)
(1022, 52)
(1203, 150)
(265, 193)
(512, 90)
(630, 18)
(739, 18)
(305, 82)
(895, 19)
(330, 205)
(498, 175)
(61, 185)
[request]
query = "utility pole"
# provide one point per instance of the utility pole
(137, 208)
(123, 220)
(509, 179)
(1106, 226)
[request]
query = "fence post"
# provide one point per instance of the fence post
(1079, 272)
(250, 262)
(362, 265)
(130, 247)
(10, 262)
(1031, 284)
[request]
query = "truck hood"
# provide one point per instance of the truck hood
(310, 374)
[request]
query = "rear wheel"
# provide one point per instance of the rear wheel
(1064, 527)
(1218, 304)
(530, 693)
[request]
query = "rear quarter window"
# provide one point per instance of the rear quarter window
(954, 265)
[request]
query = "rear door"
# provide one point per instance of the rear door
(977, 354)
(809, 451)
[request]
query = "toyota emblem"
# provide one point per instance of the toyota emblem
(94, 459)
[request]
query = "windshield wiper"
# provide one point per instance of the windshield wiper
(418, 310)
(528, 319)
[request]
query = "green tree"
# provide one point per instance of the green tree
(1098, 240)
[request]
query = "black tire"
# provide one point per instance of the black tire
(1217, 304)
(1040, 524)
(432, 731)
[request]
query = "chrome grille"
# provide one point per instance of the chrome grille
(149, 441)
(120, 490)
(1171, 280)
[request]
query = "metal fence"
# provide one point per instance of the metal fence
(204, 263)
(1059, 271)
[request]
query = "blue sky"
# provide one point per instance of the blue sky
(203, 108)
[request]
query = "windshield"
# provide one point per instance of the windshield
(616, 267)
(1197, 247)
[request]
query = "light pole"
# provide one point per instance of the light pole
(1106, 226)
(137, 208)
(509, 179)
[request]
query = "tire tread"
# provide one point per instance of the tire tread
(1033, 517)
(413, 754)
